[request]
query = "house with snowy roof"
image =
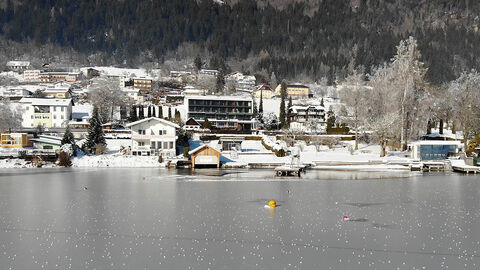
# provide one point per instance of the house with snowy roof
(18, 65)
(153, 136)
(307, 118)
(46, 112)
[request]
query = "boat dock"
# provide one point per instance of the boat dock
(460, 166)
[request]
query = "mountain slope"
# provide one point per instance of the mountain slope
(291, 38)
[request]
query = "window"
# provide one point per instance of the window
(141, 131)
(141, 143)
(165, 145)
(41, 109)
(62, 109)
(171, 145)
(159, 145)
(49, 147)
(54, 116)
(32, 116)
(62, 116)
(152, 145)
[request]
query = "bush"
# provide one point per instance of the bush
(185, 151)
(100, 149)
(64, 159)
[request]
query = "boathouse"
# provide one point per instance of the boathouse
(205, 156)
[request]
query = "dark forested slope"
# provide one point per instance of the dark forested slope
(317, 38)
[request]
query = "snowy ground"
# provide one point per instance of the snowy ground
(116, 161)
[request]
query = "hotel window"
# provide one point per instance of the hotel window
(165, 145)
(141, 131)
(62, 108)
(171, 145)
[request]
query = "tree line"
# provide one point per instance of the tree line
(289, 42)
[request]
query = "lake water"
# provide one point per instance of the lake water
(169, 219)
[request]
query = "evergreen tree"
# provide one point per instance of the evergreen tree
(283, 96)
(177, 116)
(160, 112)
(169, 113)
(207, 124)
(273, 81)
(321, 103)
(141, 112)
(154, 113)
(198, 63)
(330, 119)
(254, 108)
(260, 107)
(220, 84)
(95, 133)
(288, 111)
(149, 111)
(133, 114)
(68, 137)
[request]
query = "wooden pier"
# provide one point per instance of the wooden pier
(460, 166)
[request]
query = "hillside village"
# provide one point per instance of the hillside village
(148, 118)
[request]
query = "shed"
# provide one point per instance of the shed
(205, 156)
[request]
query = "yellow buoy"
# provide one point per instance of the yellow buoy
(272, 203)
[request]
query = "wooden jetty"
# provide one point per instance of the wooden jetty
(435, 166)
(289, 170)
(460, 166)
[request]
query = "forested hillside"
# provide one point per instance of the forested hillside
(291, 38)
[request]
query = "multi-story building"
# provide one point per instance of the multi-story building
(46, 112)
(234, 112)
(295, 90)
(211, 72)
(57, 92)
(59, 76)
(18, 65)
(153, 136)
(143, 84)
(264, 90)
(15, 140)
(15, 93)
(307, 118)
(31, 75)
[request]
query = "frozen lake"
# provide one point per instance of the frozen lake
(168, 219)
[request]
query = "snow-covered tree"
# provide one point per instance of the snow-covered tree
(95, 138)
(68, 137)
(270, 120)
(354, 95)
(10, 118)
(408, 85)
(465, 92)
(273, 81)
(107, 96)
(283, 97)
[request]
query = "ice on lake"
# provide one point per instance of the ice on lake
(216, 219)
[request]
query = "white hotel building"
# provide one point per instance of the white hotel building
(47, 112)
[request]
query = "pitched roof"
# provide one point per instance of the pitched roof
(200, 148)
(47, 101)
(153, 118)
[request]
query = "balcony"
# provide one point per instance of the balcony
(139, 137)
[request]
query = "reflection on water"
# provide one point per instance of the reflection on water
(178, 219)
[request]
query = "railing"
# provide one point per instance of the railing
(149, 137)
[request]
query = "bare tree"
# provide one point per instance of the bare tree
(11, 118)
(106, 95)
(207, 83)
(354, 95)
(408, 85)
(466, 103)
